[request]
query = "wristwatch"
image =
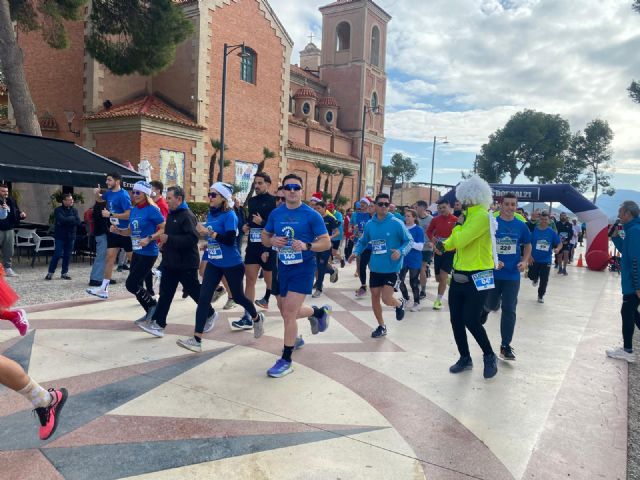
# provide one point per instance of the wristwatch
(308, 246)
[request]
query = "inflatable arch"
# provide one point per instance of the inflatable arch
(597, 256)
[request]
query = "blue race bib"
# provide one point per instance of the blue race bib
(483, 280)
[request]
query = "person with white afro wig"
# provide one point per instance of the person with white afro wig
(473, 240)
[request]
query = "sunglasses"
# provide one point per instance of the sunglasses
(136, 192)
(213, 194)
(292, 187)
(383, 204)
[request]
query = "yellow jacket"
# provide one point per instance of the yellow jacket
(472, 241)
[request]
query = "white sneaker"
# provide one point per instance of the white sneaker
(98, 292)
(153, 328)
(415, 307)
(190, 344)
(211, 322)
(621, 354)
(147, 317)
(316, 293)
(333, 278)
(157, 275)
(9, 272)
(229, 305)
(540, 300)
(408, 303)
(258, 326)
(534, 283)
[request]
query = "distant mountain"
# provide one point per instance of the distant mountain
(557, 209)
(610, 204)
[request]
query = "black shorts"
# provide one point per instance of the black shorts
(566, 247)
(253, 256)
(443, 263)
(119, 241)
(335, 244)
(377, 280)
(427, 255)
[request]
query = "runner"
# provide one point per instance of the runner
(544, 241)
(412, 262)
(511, 235)
(157, 187)
(473, 264)
(565, 231)
(358, 221)
(223, 259)
(348, 234)
(180, 259)
(297, 231)
(389, 241)
(322, 258)
(439, 230)
(118, 209)
(336, 241)
(424, 220)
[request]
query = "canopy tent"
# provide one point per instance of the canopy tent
(31, 159)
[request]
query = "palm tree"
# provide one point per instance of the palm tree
(217, 146)
(345, 172)
(322, 168)
(330, 173)
(266, 154)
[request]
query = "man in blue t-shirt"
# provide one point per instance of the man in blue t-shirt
(544, 242)
(510, 236)
(297, 231)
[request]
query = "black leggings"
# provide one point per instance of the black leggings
(141, 265)
(414, 283)
(630, 318)
(540, 271)
(364, 261)
(211, 279)
(348, 247)
(168, 285)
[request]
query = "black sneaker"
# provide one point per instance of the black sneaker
(48, 276)
(463, 363)
(490, 365)
(342, 264)
(400, 309)
(381, 331)
(423, 294)
(507, 353)
(65, 276)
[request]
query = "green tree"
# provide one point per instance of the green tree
(403, 169)
(530, 143)
(344, 172)
(595, 153)
(266, 155)
(634, 88)
(213, 161)
(573, 170)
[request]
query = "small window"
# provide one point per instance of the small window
(248, 66)
(292, 105)
(375, 46)
(343, 36)
(328, 117)
(374, 100)
(306, 108)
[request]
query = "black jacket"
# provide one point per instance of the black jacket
(67, 221)
(100, 224)
(13, 219)
(180, 251)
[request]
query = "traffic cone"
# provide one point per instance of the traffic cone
(580, 264)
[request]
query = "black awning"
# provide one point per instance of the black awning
(31, 159)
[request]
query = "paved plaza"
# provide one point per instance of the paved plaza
(354, 408)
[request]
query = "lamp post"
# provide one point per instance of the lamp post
(375, 109)
(243, 54)
(433, 161)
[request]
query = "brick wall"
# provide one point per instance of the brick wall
(120, 146)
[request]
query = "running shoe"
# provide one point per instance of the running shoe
(400, 309)
(507, 353)
(361, 292)
(190, 344)
(323, 321)
(211, 322)
(280, 369)
(540, 300)
(381, 331)
(48, 276)
(621, 354)
(157, 275)
(245, 323)
(229, 305)
(146, 318)
(334, 276)
(258, 326)
(415, 307)
(313, 321)
(564, 272)
(98, 292)
(152, 328)
(463, 363)
(490, 365)
(20, 321)
(65, 276)
(262, 303)
(437, 305)
(49, 416)
(316, 293)
(423, 294)
(299, 343)
(220, 291)
(559, 271)
(9, 272)
(534, 283)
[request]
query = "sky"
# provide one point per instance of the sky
(461, 68)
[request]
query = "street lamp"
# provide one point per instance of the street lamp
(243, 54)
(433, 160)
(376, 110)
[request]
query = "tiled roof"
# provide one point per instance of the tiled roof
(148, 106)
(306, 73)
(305, 92)
(318, 151)
(327, 102)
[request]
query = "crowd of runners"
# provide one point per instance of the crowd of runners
(478, 249)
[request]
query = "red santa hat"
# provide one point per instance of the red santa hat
(365, 200)
(316, 197)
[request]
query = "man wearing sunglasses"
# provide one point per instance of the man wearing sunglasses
(298, 232)
(389, 241)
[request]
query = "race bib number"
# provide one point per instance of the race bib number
(214, 252)
(135, 243)
(543, 246)
(506, 246)
(255, 235)
(288, 256)
(483, 280)
(378, 247)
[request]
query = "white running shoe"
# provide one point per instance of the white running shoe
(258, 326)
(157, 275)
(152, 328)
(211, 322)
(316, 293)
(621, 354)
(190, 344)
(415, 307)
(9, 272)
(333, 278)
(229, 305)
(98, 292)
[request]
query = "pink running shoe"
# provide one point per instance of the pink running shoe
(19, 319)
(50, 415)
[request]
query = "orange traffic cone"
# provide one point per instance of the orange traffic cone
(580, 264)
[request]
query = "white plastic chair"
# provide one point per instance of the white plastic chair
(23, 238)
(42, 244)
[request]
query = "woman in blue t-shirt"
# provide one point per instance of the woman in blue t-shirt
(223, 260)
(146, 224)
(412, 262)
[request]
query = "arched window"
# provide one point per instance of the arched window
(343, 36)
(375, 46)
(248, 66)
(374, 100)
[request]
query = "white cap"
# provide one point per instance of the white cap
(225, 190)
(143, 187)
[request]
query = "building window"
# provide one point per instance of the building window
(343, 36)
(248, 66)
(328, 117)
(375, 46)
(306, 108)
(374, 100)
(292, 105)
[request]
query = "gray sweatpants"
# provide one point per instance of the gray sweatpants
(6, 244)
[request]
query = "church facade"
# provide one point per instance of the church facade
(305, 114)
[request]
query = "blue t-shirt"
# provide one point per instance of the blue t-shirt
(413, 259)
(509, 237)
(118, 202)
(144, 222)
(543, 242)
(302, 223)
(359, 220)
(218, 254)
(340, 219)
